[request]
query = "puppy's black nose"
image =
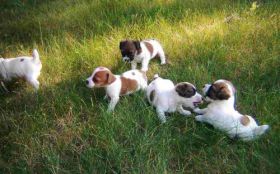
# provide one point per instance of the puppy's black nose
(87, 82)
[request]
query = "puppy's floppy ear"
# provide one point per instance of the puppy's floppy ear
(110, 77)
(121, 44)
(137, 44)
(223, 93)
(185, 90)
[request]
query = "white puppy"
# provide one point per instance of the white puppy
(222, 115)
(24, 67)
(141, 52)
(166, 97)
(117, 85)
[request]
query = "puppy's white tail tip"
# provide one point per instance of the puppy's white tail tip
(261, 130)
(156, 76)
(35, 55)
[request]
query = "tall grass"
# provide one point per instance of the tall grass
(64, 128)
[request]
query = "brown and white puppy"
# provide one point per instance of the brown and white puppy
(117, 85)
(167, 97)
(25, 67)
(221, 113)
(141, 52)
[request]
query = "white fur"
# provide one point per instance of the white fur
(22, 67)
(166, 99)
(113, 90)
(145, 56)
(222, 115)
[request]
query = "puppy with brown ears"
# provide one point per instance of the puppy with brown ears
(167, 97)
(117, 85)
(141, 52)
(25, 67)
(221, 113)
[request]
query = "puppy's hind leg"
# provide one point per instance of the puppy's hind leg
(162, 57)
(161, 115)
(34, 82)
(4, 87)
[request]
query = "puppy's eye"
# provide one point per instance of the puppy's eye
(94, 79)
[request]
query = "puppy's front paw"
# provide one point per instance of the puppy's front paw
(197, 110)
(110, 110)
(199, 118)
(186, 113)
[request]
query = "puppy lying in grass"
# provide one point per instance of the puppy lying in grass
(25, 67)
(166, 97)
(222, 115)
(117, 85)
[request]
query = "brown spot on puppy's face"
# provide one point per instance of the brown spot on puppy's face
(218, 91)
(185, 90)
(245, 120)
(128, 85)
(103, 78)
(149, 47)
(129, 49)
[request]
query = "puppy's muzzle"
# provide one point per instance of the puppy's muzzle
(126, 59)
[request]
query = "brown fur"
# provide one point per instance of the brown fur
(219, 91)
(103, 78)
(185, 90)
(128, 85)
(245, 120)
(130, 46)
(149, 47)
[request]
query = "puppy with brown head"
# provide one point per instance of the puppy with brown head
(135, 51)
(167, 97)
(221, 113)
(117, 85)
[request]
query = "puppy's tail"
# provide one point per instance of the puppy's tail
(156, 76)
(36, 57)
(260, 130)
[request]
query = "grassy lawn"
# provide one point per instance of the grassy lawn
(64, 128)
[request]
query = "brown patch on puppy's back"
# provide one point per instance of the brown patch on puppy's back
(128, 85)
(244, 120)
(149, 47)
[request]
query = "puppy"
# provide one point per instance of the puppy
(166, 97)
(117, 85)
(221, 113)
(141, 52)
(28, 68)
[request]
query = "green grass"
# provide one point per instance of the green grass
(64, 128)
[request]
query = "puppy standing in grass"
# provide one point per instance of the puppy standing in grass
(221, 113)
(166, 97)
(28, 68)
(117, 85)
(141, 52)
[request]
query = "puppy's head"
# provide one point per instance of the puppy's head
(129, 49)
(101, 77)
(219, 90)
(188, 92)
